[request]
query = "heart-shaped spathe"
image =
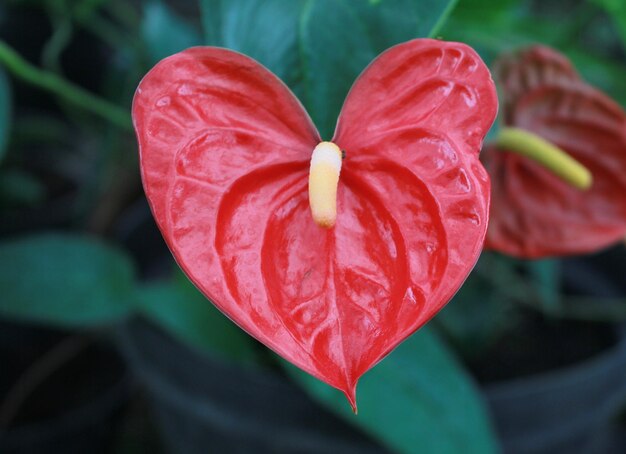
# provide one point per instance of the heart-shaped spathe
(225, 150)
(534, 213)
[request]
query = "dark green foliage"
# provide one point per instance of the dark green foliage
(65, 280)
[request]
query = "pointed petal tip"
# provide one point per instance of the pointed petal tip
(350, 394)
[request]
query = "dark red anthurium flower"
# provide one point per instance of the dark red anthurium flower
(229, 168)
(534, 213)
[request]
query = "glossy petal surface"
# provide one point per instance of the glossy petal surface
(535, 214)
(225, 149)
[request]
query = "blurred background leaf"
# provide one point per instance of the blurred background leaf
(332, 61)
(478, 315)
(179, 308)
(5, 112)
(617, 11)
(544, 274)
(266, 30)
(417, 399)
(64, 280)
(164, 33)
(19, 188)
(390, 22)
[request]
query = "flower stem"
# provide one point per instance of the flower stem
(527, 144)
(54, 84)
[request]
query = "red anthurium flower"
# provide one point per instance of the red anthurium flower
(329, 262)
(534, 213)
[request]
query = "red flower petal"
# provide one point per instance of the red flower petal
(520, 73)
(535, 214)
(218, 100)
(425, 105)
(229, 191)
(434, 85)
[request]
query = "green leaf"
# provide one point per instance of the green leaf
(266, 30)
(164, 33)
(608, 75)
(390, 22)
(19, 188)
(64, 280)
(331, 61)
(617, 10)
(545, 276)
(487, 11)
(5, 112)
(418, 399)
(211, 15)
(181, 310)
(477, 317)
